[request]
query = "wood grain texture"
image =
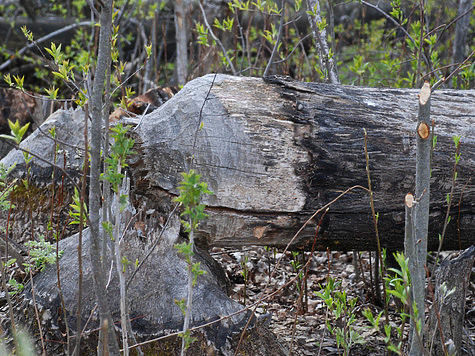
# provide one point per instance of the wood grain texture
(276, 150)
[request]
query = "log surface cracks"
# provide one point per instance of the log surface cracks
(273, 151)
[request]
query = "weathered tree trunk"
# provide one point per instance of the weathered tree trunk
(461, 29)
(275, 151)
(181, 34)
(455, 274)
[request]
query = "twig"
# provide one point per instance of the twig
(390, 18)
(378, 242)
(307, 264)
(279, 35)
(42, 39)
(37, 314)
(220, 44)
(327, 61)
(449, 203)
(416, 79)
(437, 313)
(77, 349)
(443, 80)
(195, 328)
(151, 249)
(45, 161)
(458, 216)
(4, 283)
(287, 248)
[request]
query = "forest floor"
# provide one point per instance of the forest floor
(307, 332)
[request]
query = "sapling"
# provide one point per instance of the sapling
(119, 151)
(191, 190)
(245, 275)
(343, 310)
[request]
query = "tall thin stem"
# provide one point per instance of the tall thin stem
(103, 58)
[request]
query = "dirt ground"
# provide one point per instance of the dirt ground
(306, 331)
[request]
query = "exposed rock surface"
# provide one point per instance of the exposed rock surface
(151, 294)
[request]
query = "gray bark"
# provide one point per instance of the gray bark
(181, 11)
(461, 29)
(417, 252)
(327, 62)
(274, 151)
(98, 261)
(455, 274)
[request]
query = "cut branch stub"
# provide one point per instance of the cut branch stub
(423, 131)
(424, 95)
(409, 200)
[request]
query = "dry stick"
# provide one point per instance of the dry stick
(59, 237)
(434, 305)
(378, 242)
(124, 288)
(299, 43)
(428, 74)
(326, 311)
(37, 314)
(326, 61)
(152, 248)
(30, 210)
(220, 44)
(279, 35)
(458, 216)
(118, 264)
(196, 328)
(442, 80)
(390, 18)
(299, 301)
(449, 203)
(42, 39)
(63, 170)
(287, 248)
(60, 290)
(4, 283)
(452, 22)
(200, 120)
(189, 298)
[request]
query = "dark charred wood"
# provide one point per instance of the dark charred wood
(274, 151)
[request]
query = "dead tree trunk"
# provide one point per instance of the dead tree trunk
(275, 151)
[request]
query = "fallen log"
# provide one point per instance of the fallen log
(275, 151)
(154, 286)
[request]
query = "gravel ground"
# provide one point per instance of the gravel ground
(307, 331)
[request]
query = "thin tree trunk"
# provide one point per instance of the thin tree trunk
(326, 59)
(103, 56)
(181, 41)
(461, 29)
(420, 219)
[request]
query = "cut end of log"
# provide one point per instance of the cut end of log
(409, 200)
(424, 94)
(423, 131)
